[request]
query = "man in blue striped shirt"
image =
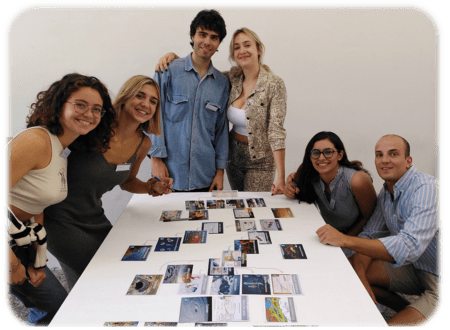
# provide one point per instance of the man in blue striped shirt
(397, 249)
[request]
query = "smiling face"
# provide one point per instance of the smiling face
(245, 51)
(391, 160)
(143, 106)
(75, 123)
(206, 43)
(326, 167)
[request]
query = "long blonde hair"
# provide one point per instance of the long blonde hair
(256, 39)
(129, 90)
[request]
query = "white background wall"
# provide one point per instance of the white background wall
(360, 73)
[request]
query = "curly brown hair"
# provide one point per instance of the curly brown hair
(46, 111)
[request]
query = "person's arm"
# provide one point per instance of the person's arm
(163, 63)
(279, 156)
(365, 197)
(158, 150)
(277, 133)
(289, 190)
(221, 143)
(136, 186)
(17, 273)
(37, 275)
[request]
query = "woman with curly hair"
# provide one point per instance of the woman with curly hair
(341, 189)
(78, 225)
(75, 110)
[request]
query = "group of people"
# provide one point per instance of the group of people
(79, 145)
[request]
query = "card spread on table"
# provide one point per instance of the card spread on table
(178, 274)
(213, 227)
(195, 205)
(121, 324)
(195, 236)
(286, 284)
(244, 213)
(234, 204)
(245, 225)
(262, 236)
(145, 285)
(280, 309)
(195, 309)
(255, 202)
(230, 309)
(137, 253)
(166, 244)
(231, 258)
(197, 286)
(255, 284)
(270, 224)
(292, 251)
(225, 285)
(215, 204)
(282, 212)
(215, 268)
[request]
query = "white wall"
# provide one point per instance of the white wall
(361, 73)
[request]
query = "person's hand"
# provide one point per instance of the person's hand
(17, 275)
(289, 190)
(158, 188)
(217, 182)
(278, 187)
(163, 63)
(37, 276)
(159, 169)
(331, 236)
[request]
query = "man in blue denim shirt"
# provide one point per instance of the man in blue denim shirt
(193, 148)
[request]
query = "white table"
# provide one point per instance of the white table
(332, 293)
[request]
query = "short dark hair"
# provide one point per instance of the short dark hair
(48, 106)
(210, 20)
(407, 146)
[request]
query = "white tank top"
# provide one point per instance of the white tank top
(237, 118)
(44, 187)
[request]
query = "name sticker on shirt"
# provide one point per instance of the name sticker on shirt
(66, 152)
(211, 107)
(123, 167)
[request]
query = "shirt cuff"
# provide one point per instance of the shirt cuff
(397, 251)
(158, 152)
(221, 164)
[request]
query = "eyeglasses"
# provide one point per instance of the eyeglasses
(82, 108)
(328, 153)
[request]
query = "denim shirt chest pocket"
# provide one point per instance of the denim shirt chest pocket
(177, 107)
(212, 110)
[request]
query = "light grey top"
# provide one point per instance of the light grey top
(342, 210)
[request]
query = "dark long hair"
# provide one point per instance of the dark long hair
(47, 109)
(306, 171)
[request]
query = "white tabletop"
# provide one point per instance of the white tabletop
(332, 293)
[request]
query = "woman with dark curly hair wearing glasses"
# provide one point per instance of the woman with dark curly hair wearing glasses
(341, 189)
(69, 113)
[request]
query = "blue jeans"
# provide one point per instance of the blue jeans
(47, 297)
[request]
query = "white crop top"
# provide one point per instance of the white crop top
(44, 187)
(237, 118)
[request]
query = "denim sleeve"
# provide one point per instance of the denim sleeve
(419, 228)
(221, 139)
(158, 148)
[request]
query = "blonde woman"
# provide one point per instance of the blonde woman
(257, 109)
(78, 225)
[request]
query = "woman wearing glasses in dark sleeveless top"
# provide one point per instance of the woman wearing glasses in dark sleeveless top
(341, 189)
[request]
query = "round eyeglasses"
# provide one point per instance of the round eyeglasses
(328, 153)
(82, 108)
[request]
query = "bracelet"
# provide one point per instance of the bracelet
(15, 268)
